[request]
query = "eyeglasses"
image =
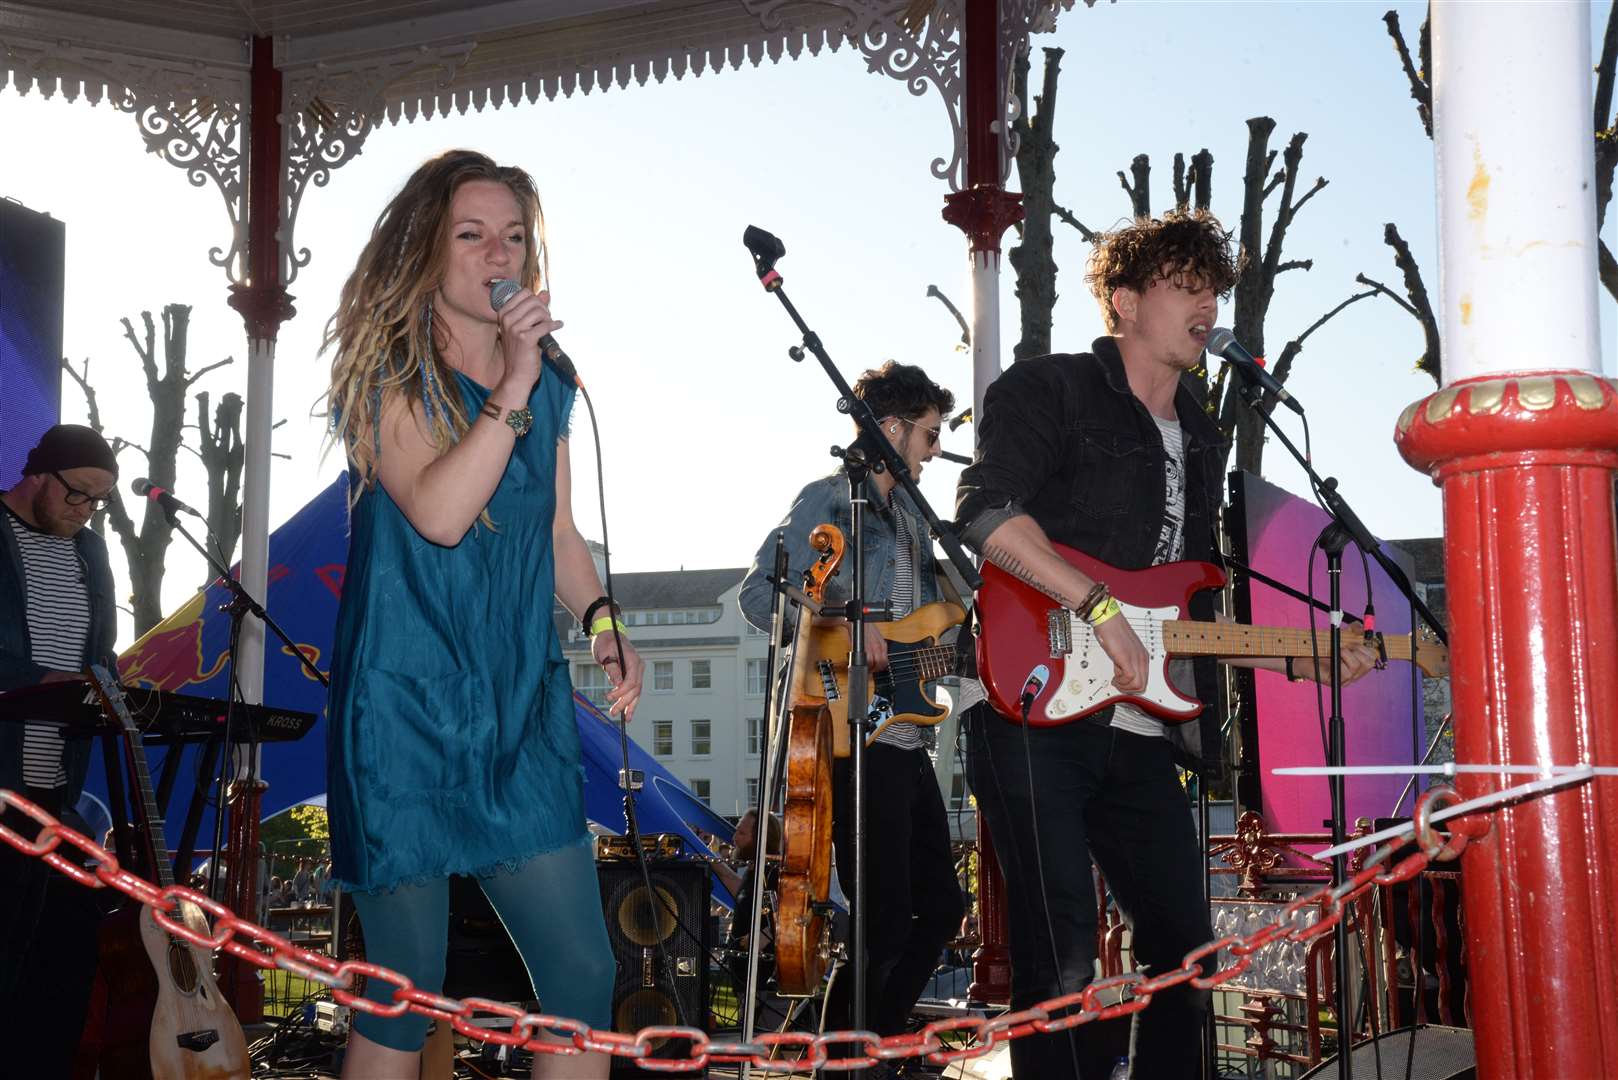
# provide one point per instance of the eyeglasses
(932, 432)
(75, 497)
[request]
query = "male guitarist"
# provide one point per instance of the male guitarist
(913, 902)
(56, 617)
(1109, 452)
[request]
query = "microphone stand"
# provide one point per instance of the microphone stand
(858, 463)
(240, 605)
(1345, 528)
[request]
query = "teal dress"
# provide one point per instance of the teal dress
(451, 741)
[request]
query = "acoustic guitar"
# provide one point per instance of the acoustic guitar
(194, 1033)
(1023, 627)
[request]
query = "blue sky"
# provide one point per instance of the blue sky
(709, 428)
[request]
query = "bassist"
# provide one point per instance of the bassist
(914, 902)
(1109, 452)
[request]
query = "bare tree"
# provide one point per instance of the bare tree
(1033, 257)
(222, 455)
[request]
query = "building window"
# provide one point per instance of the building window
(702, 674)
(755, 678)
(753, 631)
(663, 738)
(702, 789)
(701, 738)
(662, 674)
(752, 792)
(591, 681)
(755, 735)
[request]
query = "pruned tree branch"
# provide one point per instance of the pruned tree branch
(1182, 193)
(966, 331)
(1066, 217)
(1283, 366)
(1420, 89)
(1295, 264)
(1140, 193)
(1275, 181)
(1378, 287)
(223, 453)
(1608, 267)
(89, 391)
(1033, 257)
(1606, 73)
(1320, 182)
(209, 367)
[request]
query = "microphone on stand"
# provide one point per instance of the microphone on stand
(161, 496)
(501, 293)
(1223, 343)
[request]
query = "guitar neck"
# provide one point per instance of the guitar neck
(112, 699)
(1184, 637)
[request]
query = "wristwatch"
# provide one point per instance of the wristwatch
(520, 420)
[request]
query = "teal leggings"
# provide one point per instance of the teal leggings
(551, 907)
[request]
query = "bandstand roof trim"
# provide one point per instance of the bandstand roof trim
(403, 58)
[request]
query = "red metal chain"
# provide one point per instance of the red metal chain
(560, 1035)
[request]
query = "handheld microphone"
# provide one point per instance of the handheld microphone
(501, 293)
(1036, 682)
(161, 497)
(1223, 343)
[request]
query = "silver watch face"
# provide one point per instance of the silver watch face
(520, 420)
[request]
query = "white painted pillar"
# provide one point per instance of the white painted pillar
(256, 511)
(1516, 192)
(985, 327)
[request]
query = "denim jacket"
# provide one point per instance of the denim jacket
(17, 667)
(825, 501)
(1065, 440)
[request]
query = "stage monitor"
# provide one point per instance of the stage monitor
(1272, 531)
(32, 257)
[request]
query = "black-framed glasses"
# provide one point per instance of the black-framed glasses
(932, 432)
(75, 497)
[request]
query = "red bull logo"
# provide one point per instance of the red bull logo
(169, 655)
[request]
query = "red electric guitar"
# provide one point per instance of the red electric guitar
(1022, 627)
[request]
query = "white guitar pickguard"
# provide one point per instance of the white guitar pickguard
(1087, 671)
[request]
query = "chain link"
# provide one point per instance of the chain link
(547, 1034)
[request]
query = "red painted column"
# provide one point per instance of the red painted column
(1526, 462)
(264, 304)
(983, 210)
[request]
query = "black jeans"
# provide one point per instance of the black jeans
(1114, 796)
(913, 902)
(48, 953)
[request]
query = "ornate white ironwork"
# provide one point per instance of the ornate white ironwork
(328, 110)
(188, 113)
(929, 56)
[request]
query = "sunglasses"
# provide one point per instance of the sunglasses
(75, 497)
(932, 432)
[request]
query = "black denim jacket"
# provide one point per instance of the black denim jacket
(1065, 440)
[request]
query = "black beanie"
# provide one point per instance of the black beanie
(70, 446)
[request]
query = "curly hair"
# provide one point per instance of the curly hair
(383, 325)
(1185, 244)
(902, 390)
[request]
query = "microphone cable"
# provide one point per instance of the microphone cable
(631, 818)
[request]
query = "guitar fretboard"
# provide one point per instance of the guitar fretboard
(1191, 638)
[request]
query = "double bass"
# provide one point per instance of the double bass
(802, 936)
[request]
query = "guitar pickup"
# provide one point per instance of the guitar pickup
(1059, 628)
(197, 1041)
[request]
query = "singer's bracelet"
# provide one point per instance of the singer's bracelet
(1109, 607)
(607, 622)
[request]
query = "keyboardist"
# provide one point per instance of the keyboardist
(56, 617)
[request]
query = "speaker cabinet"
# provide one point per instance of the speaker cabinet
(1440, 1053)
(673, 917)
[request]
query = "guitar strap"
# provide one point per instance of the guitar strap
(954, 590)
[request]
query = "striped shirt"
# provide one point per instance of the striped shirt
(56, 597)
(903, 734)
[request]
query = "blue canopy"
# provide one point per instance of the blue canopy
(189, 650)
